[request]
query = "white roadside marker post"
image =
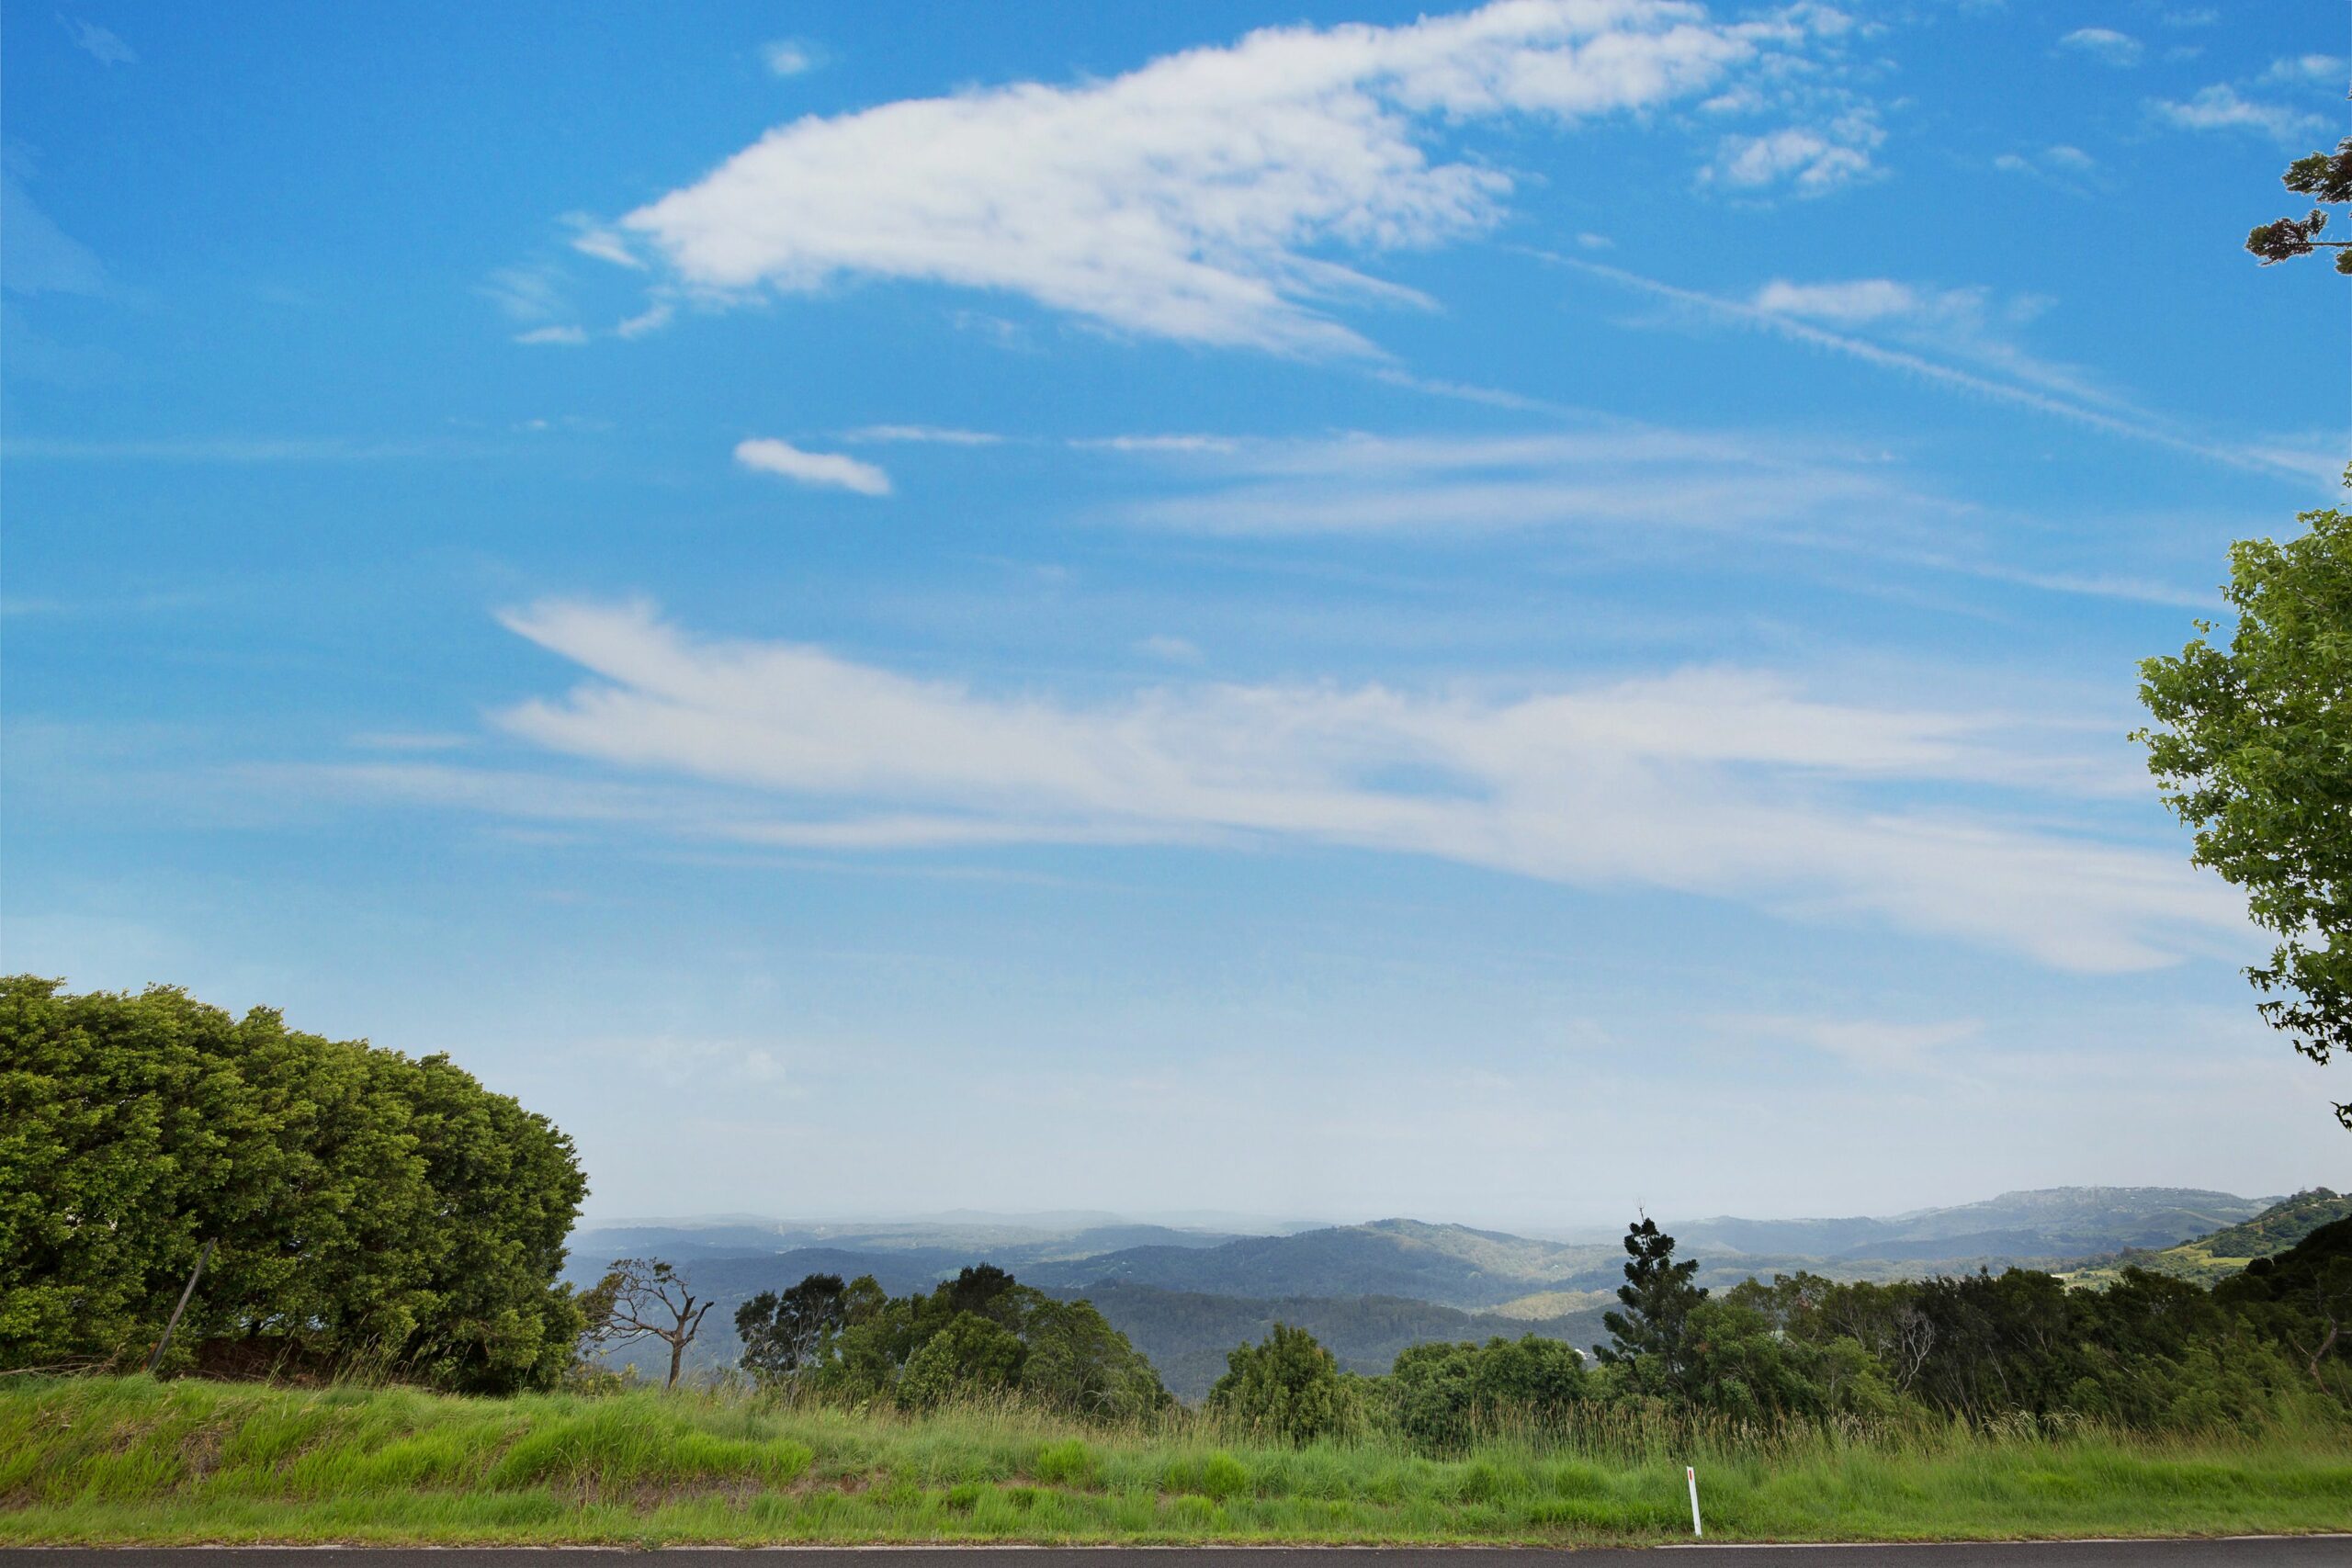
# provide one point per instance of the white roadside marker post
(1691, 1474)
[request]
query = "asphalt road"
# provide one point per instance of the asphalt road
(2267, 1551)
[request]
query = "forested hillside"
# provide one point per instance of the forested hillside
(1368, 1291)
(1187, 1333)
(2228, 1251)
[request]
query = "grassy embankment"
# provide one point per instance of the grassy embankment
(121, 1460)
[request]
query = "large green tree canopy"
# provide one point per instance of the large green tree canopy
(2253, 746)
(979, 1335)
(367, 1207)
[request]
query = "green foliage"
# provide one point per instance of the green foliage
(1649, 1338)
(2253, 748)
(1286, 1389)
(2325, 178)
(1440, 1397)
(1739, 1362)
(368, 1208)
(978, 1334)
(2302, 1299)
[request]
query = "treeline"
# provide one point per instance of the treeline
(364, 1210)
(2150, 1353)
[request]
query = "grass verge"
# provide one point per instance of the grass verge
(104, 1461)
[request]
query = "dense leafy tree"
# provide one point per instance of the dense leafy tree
(968, 1357)
(2302, 1297)
(2253, 748)
(1648, 1340)
(2326, 178)
(1440, 1394)
(979, 1333)
(1737, 1361)
(367, 1207)
(1077, 1362)
(1286, 1389)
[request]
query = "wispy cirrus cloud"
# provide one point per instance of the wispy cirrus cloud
(2111, 415)
(1965, 324)
(1605, 476)
(825, 470)
(555, 337)
(1726, 783)
(98, 42)
(1192, 198)
(923, 434)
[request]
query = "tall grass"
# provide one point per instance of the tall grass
(117, 1459)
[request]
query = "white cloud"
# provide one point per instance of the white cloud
(98, 42)
(1849, 303)
(2221, 107)
(825, 470)
(1610, 478)
(1722, 783)
(2105, 45)
(591, 238)
(788, 57)
(1811, 161)
(1188, 199)
(1183, 441)
(2306, 68)
(2061, 166)
(930, 434)
(564, 337)
(651, 319)
(2116, 417)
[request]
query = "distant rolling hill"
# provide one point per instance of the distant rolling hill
(1450, 1265)
(2051, 1222)
(1456, 1281)
(2227, 1251)
(1186, 1334)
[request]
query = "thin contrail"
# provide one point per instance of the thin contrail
(1896, 359)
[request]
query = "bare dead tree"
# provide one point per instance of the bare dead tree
(644, 1298)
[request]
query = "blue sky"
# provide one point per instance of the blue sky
(882, 607)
